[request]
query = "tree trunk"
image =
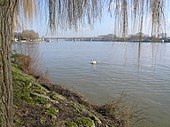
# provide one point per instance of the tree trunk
(6, 93)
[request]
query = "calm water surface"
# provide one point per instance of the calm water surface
(144, 74)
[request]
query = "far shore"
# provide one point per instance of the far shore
(39, 41)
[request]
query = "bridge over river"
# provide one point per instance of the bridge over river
(71, 38)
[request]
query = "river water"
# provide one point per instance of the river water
(142, 71)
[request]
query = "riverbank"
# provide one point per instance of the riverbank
(39, 103)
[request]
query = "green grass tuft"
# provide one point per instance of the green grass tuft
(70, 124)
(84, 122)
(51, 111)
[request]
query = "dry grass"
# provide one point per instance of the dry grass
(27, 58)
(122, 114)
(24, 62)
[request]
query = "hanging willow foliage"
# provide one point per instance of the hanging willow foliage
(72, 13)
(135, 11)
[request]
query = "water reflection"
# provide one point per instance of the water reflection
(139, 51)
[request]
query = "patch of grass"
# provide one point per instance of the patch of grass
(84, 122)
(75, 106)
(40, 91)
(21, 95)
(25, 95)
(40, 100)
(70, 124)
(51, 111)
(18, 75)
(56, 96)
(23, 90)
(42, 120)
(18, 122)
(20, 85)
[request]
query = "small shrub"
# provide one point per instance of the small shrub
(23, 61)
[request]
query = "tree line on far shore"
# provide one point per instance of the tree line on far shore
(28, 35)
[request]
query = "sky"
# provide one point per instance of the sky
(100, 27)
(103, 27)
